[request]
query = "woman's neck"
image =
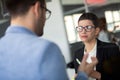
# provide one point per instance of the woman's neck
(89, 45)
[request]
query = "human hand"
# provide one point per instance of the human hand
(88, 68)
(95, 75)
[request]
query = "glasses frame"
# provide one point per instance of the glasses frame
(47, 11)
(86, 28)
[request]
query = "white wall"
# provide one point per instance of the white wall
(69, 2)
(55, 29)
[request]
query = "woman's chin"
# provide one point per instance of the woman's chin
(84, 40)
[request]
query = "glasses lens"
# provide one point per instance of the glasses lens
(79, 29)
(89, 28)
(86, 28)
(48, 14)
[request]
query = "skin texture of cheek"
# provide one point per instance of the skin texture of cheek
(88, 37)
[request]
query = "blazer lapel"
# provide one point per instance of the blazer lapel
(99, 55)
(81, 54)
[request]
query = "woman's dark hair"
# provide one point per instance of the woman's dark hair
(19, 7)
(89, 16)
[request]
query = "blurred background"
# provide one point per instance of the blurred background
(60, 28)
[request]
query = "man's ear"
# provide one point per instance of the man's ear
(37, 9)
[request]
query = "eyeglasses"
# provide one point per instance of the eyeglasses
(86, 28)
(48, 12)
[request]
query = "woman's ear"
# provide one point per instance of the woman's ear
(97, 31)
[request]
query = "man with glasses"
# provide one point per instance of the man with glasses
(25, 56)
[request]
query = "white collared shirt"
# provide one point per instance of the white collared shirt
(91, 54)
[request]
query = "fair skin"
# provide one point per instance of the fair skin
(88, 68)
(89, 39)
(33, 20)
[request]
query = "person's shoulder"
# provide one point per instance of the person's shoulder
(108, 44)
(80, 48)
(42, 41)
(46, 47)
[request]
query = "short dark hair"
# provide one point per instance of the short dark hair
(89, 16)
(19, 7)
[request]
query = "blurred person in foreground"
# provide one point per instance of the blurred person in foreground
(25, 56)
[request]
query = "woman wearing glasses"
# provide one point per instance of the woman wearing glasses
(88, 29)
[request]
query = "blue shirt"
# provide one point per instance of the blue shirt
(25, 56)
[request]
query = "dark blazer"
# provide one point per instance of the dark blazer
(107, 55)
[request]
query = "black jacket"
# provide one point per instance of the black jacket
(108, 60)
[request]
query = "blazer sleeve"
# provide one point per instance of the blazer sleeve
(112, 51)
(111, 64)
(78, 55)
(75, 63)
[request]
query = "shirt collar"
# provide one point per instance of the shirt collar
(19, 29)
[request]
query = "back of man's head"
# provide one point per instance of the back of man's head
(20, 7)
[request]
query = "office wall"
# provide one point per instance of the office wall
(55, 28)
